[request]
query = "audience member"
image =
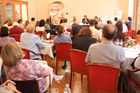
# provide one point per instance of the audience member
(9, 23)
(8, 86)
(106, 52)
(75, 30)
(16, 29)
(41, 26)
(33, 21)
(129, 22)
(20, 23)
(4, 38)
(31, 41)
(109, 22)
(61, 38)
(120, 36)
(84, 40)
(95, 33)
(17, 68)
(115, 20)
(25, 24)
(85, 20)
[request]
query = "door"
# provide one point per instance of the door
(1, 14)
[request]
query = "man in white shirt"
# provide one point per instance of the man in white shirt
(95, 33)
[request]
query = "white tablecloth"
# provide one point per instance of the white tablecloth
(130, 54)
(48, 48)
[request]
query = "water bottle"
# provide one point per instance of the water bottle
(67, 89)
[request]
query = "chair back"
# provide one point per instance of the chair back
(28, 86)
(26, 53)
(15, 36)
(103, 78)
(63, 50)
(129, 28)
(78, 63)
(39, 33)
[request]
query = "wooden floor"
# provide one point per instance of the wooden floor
(78, 86)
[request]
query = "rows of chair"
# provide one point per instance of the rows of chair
(102, 78)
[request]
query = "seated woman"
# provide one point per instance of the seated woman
(31, 41)
(17, 68)
(120, 36)
(8, 86)
(61, 38)
(4, 38)
(41, 26)
(84, 40)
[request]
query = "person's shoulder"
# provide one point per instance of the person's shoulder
(94, 45)
(119, 48)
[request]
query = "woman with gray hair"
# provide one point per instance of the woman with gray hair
(31, 41)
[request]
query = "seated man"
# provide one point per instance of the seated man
(106, 52)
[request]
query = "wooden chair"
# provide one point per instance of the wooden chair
(78, 63)
(62, 52)
(31, 86)
(27, 53)
(28, 86)
(103, 78)
(130, 78)
(15, 36)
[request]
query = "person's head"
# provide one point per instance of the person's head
(9, 22)
(37, 23)
(65, 20)
(11, 54)
(4, 31)
(119, 26)
(26, 23)
(85, 16)
(32, 19)
(115, 19)
(30, 28)
(129, 18)
(96, 18)
(20, 21)
(109, 22)
(42, 22)
(48, 20)
(109, 32)
(59, 30)
(92, 22)
(85, 31)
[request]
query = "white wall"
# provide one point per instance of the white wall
(102, 8)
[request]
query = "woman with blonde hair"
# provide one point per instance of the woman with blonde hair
(84, 40)
(17, 68)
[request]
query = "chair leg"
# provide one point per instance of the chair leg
(81, 77)
(128, 85)
(56, 66)
(71, 79)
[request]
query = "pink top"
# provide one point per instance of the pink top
(26, 70)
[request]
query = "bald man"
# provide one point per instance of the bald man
(106, 52)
